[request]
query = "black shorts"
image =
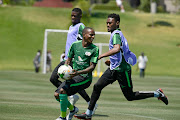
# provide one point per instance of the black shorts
(75, 85)
(110, 76)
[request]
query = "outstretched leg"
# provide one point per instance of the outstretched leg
(125, 81)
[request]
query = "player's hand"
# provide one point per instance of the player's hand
(74, 73)
(99, 57)
(107, 62)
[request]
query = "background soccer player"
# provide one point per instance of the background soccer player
(37, 61)
(120, 60)
(85, 55)
(142, 63)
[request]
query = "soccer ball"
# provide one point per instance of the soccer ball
(64, 71)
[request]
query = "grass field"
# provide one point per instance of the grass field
(29, 96)
(25, 95)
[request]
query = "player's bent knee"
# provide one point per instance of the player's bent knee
(56, 94)
(129, 98)
(51, 80)
(62, 91)
(54, 80)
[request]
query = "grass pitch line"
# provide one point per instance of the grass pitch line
(153, 118)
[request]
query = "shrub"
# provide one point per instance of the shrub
(19, 2)
(160, 9)
(145, 5)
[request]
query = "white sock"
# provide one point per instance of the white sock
(156, 94)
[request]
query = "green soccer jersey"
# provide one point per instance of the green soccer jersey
(124, 66)
(83, 56)
(81, 28)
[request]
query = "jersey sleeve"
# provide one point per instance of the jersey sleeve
(116, 39)
(80, 36)
(94, 58)
(71, 51)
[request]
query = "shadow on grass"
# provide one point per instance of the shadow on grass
(98, 115)
(161, 23)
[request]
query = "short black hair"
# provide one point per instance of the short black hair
(115, 16)
(77, 10)
(86, 28)
(39, 51)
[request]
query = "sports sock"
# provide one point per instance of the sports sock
(89, 112)
(63, 104)
(156, 94)
(70, 106)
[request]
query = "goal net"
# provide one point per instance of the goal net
(55, 41)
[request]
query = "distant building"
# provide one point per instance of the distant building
(170, 6)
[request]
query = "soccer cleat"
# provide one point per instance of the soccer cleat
(83, 116)
(60, 118)
(95, 107)
(71, 113)
(73, 99)
(162, 96)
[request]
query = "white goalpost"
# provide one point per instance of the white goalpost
(44, 53)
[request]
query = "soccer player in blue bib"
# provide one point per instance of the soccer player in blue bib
(120, 60)
(85, 55)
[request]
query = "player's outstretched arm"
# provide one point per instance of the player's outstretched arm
(116, 48)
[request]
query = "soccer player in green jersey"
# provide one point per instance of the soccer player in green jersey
(85, 55)
(120, 60)
(74, 34)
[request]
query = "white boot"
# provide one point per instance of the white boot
(95, 107)
(73, 99)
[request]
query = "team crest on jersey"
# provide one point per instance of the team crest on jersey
(87, 53)
(80, 59)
